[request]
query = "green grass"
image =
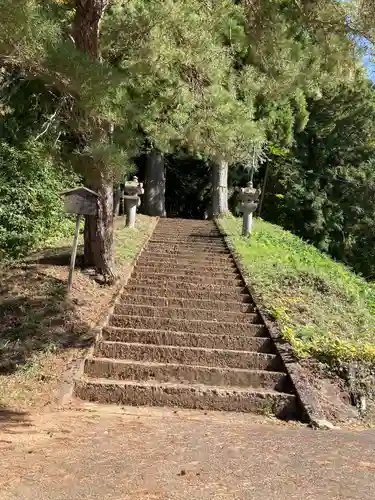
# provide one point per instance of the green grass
(322, 308)
(129, 241)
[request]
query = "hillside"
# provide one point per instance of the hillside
(322, 308)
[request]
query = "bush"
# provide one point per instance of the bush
(31, 209)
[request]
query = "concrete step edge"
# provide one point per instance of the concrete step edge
(237, 290)
(185, 270)
(128, 362)
(179, 286)
(199, 310)
(195, 349)
(234, 276)
(145, 330)
(195, 321)
(191, 258)
(204, 388)
(222, 303)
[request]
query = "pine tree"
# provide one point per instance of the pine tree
(37, 38)
(180, 80)
(172, 74)
(282, 54)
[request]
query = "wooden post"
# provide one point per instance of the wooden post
(74, 253)
(263, 190)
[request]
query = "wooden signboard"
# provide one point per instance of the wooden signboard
(79, 201)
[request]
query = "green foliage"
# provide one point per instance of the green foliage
(327, 180)
(30, 207)
(322, 308)
(183, 73)
(218, 78)
(178, 73)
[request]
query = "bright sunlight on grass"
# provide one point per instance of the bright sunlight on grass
(322, 308)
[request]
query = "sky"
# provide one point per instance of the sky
(370, 67)
(368, 61)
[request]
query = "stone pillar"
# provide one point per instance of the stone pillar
(131, 203)
(247, 223)
(249, 198)
(132, 200)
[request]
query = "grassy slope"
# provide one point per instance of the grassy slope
(322, 308)
(42, 330)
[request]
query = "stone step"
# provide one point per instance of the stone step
(161, 235)
(189, 231)
(181, 240)
(175, 290)
(226, 267)
(210, 305)
(188, 246)
(234, 280)
(185, 236)
(188, 355)
(187, 284)
(191, 257)
(187, 249)
(183, 325)
(188, 270)
(187, 396)
(187, 261)
(202, 224)
(183, 339)
(180, 313)
(185, 374)
(186, 252)
(186, 223)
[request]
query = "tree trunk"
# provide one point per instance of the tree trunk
(98, 239)
(86, 26)
(117, 196)
(219, 188)
(154, 195)
(260, 206)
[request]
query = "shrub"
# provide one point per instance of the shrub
(31, 209)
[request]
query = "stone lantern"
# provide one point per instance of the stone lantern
(249, 202)
(132, 200)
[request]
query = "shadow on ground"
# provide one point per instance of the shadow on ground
(56, 256)
(12, 419)
(36, 314)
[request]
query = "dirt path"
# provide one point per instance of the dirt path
(119, 454)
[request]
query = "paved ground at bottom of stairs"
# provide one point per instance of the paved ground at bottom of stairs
(95, 452)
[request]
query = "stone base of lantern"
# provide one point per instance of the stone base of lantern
(131, 203)
(247, 223)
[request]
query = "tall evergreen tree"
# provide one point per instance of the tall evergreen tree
(323, 188)
(172, 74)
(282, 54)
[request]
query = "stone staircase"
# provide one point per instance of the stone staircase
(185, 333)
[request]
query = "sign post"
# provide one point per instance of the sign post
(79, 201)
(74, 253)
